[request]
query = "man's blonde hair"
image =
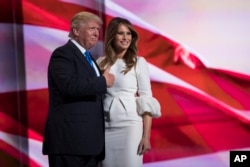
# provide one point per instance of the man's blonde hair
(82, 17)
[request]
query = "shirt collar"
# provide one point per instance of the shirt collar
(82, 49)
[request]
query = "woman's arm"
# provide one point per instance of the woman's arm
(145, 145)
(145, 104)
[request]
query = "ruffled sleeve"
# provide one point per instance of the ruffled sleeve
(148, 104)
(145, 100)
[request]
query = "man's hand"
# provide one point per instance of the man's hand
(110, 78)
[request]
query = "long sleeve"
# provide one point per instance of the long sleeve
(145, 101)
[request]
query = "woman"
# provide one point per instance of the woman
(128, 104)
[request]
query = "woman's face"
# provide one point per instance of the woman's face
(123, 38)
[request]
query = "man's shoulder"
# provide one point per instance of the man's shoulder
(65, 50)
(68, 46)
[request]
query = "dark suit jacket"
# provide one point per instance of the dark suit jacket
(75, 122)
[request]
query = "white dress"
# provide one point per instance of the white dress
(123, 121)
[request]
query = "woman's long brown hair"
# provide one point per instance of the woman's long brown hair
(109, 51)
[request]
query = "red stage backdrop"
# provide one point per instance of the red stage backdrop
(199, 67)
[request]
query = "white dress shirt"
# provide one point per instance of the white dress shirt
(83, 50)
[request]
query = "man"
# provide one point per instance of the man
(74, 132)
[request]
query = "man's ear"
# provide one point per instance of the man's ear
(75, 32)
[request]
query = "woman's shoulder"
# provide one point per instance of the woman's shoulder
(141, 65)
(99, 59)
(141, 60)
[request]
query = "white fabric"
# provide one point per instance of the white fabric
(145, 102)
(148, 104)
(120, 100)
(121, 147)
(123, 124)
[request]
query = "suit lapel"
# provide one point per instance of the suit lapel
(79, 54)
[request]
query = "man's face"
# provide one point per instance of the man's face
(88, 34)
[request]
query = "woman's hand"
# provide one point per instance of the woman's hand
(144, 146)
